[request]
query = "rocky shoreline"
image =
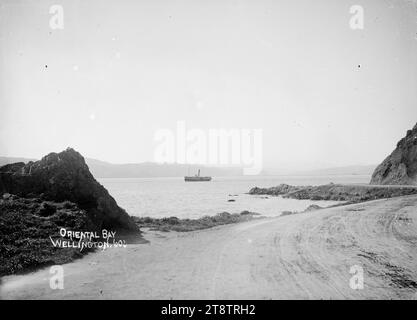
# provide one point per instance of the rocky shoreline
(186, 225)
(61, 177)
(39, 198)
(336, 192)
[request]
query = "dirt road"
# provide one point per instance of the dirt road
(302, 256)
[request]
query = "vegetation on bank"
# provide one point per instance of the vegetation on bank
(185, 225)
(25, 228)
(336, 192)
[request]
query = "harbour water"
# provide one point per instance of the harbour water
(166, 197)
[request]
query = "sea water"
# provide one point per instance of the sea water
(166, 197)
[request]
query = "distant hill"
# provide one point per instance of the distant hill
(347, 170)
(102, 169)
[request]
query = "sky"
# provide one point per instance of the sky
(323, 94)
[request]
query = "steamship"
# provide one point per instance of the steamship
(197, 177)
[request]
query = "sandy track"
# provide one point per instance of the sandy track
(303, 256)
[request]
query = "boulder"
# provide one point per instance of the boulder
(400, 167)
(62, 177)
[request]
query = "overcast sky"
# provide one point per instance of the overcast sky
(324, 94)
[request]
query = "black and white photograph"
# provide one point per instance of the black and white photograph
(208, 150)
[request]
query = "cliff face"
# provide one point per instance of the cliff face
(400, 167)
(65, 176)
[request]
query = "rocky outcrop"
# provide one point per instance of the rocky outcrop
(400, 167)
(65, 177)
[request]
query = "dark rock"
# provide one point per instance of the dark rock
(223, 215)
(400, 167)
(46, 209)
(249, 213)
(287, 213)
(313, 207)
(171, 220)
(7, 196)
(65, 177)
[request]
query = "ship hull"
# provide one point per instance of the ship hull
(197, 179)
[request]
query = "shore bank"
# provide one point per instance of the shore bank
(302, 256)
(336, 192)
(186, 225)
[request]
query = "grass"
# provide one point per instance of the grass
(25, 228)
(186, 225)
